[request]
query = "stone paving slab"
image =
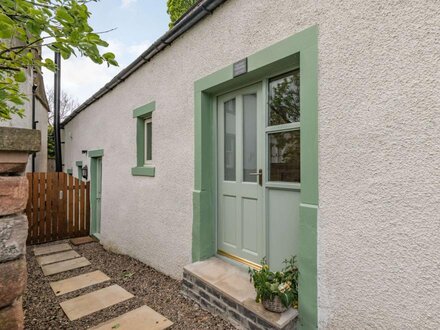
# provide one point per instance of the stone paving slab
(38, 251)
(78, 282)
(94, 301)
(52, 258)
(142, 318)
(64, 266)
(82, 240)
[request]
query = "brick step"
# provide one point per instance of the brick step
(225, 290)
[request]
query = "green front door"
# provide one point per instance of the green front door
(96, 182)
(240, 225)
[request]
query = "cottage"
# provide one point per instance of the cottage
(263, 128)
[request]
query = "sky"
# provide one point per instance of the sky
(137, 24)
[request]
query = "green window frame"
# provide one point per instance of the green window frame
(69, 171)
(144, 140)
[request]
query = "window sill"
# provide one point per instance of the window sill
(143, 171)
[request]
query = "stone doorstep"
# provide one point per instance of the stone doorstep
(64, 266)
(227, 288)
(56, 257)
(94, 301)
(142, 318)
(48, 249)
(78, 282)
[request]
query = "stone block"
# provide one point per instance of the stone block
(13, 194)
(13, 161)
(13, 277)
(20, 139)
(12, 317)
(13, 234)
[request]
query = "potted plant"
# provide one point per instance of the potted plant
(276, 290)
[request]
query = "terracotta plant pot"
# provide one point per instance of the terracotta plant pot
(274, 305)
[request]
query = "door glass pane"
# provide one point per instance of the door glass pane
(284, 99)
(230, 132)
(284, 155)
(249, 137)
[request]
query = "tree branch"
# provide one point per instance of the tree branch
(9, 68)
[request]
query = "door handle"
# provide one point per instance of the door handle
(260, 176)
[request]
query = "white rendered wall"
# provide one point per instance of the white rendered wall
(379, 206)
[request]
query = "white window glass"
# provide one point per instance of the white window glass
(148, 140)
(230, 133)
(249, 137)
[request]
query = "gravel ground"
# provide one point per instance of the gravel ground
(150, 287)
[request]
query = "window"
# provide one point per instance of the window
(284, 128)
(148, 140)
(230, 140)
(144, 140)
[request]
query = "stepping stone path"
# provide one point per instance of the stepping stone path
(54, 259)
(142, 318)
(64, 266)
(78, 282)
(94, 301)
(38, 251)
(51, 258)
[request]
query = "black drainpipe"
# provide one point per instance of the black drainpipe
(34, 123)
(56, 117)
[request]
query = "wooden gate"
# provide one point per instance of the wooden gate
(58, 207)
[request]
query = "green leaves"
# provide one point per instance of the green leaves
(110, 58)
(26, 26)
(6, 26)
(176, 8)
(20, 77)
(283, 284)
(63, 16)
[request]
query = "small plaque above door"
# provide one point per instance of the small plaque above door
(240, 67)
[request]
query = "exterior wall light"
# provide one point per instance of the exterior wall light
(85, 172)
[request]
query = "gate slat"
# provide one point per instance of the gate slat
(63, 218)
(77, 201)
(71, 206)
(40, 203)
(56, 206)
(47, 232)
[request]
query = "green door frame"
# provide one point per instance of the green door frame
(302, 49)
(79, 165)
(94, 156)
